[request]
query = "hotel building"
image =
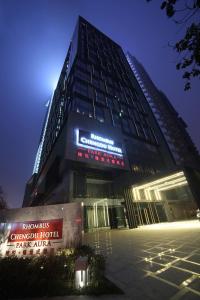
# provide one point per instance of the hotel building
(101, 143)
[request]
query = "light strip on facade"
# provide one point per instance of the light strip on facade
(40, 148)
(138, 194)
(158, 195)
(149, 194)
(173, 186)
(165, 185)
(134, 194)
(37, 159)
(147, 185)
(158, 190)
(168, 183)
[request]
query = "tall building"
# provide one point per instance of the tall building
(99, 135)
(171, 124)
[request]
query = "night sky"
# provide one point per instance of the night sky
(34, 38)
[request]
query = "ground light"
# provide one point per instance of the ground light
(172, 225)
(81, 272)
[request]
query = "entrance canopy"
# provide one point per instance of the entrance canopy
(151, 190)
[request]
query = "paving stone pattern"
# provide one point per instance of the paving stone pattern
(151, 263)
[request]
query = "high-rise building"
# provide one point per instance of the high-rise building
(99, 134)
(171, 124)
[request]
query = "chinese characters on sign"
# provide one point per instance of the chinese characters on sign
(100, 156)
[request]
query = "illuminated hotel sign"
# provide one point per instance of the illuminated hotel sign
(93, 141)
(93, 147)
(31, 237)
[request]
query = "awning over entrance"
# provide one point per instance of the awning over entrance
(168, 198)
(151, 190)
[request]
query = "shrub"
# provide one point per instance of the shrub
(50, 275)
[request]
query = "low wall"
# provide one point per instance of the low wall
(41, 229)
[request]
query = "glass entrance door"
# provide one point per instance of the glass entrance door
(149, 212)
(104, 213)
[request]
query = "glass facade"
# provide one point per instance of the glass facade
(171, 124)
(97, 94)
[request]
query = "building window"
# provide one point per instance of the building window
(93, 58)
(83, 107)
(140, 107)
(92, 52)
(82, 65)
(95, 82)
(109, 80)
(129, 100)
(147, 133)
(126, 126)
(113, 104)
(150, 135)
(154, 139)
(123, 98)
(81, 88)
(116, 105)
(124, 110)
(110, 90)
(110, 103)
(96, 73)
(116, 120)
(83, 75)
(99, 114)
(100, 98)
(140, 130)
(133, 128)
(136, 116)
(136, 168)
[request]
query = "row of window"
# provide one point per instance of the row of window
(109, 67)
(143, 170)
(105, 49)
(129, 126)
(87, 109)
(86, 69)
(96, 38)
(98, 79)
(119, 105)
(126, 95)
(55, 121)
(133, 110)
(111, 63)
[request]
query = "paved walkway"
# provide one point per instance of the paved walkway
(152, 262)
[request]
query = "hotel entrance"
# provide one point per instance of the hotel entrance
(149, 213)
(104, 213)
(168, 198)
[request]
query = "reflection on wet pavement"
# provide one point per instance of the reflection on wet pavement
(152, 264)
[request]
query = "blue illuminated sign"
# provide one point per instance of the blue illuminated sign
(94, 141)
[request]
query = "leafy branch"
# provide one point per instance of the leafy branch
(187, 47)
